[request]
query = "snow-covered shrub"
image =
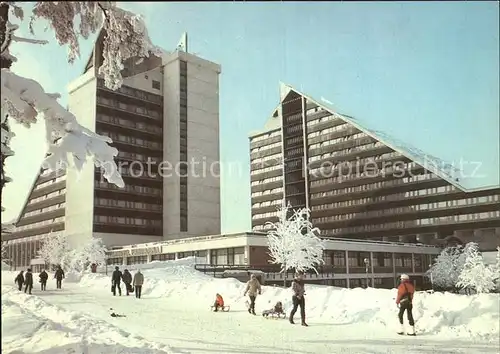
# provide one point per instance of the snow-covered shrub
(475, 274)
(92, 251)
(55, 250)
(24, 99)
(446, 268)
(293, 242)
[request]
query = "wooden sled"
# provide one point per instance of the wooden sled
(225, 308)
(274, 315)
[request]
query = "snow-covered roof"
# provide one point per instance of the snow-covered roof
(432, 163)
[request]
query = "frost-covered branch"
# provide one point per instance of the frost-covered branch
(293, 242)
(125, 37)
(126, 34)
(28, 40)
(24, 99)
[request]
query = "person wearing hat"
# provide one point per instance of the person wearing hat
(127, 279)
(298, 298)
(404, 300)
(115, 281)
(253, 288)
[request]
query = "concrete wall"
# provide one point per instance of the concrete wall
(125, 239)
(487, 239)
(203, 147)
(171, 148)
(80, 185)
(144, 81)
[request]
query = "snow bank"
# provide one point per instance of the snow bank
(30, 325)
(475, 316)
(5, 266)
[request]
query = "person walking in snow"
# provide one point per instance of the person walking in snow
(59, 276)
(127, 279)
(20, 280)
(138, 281)
(116, 278)
(404, 300)
(28, 281)
(43, 279)
(298, 298)
(253, 288)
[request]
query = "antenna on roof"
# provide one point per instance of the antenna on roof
(182, 46)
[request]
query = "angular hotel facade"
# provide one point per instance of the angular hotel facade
(166, 115)
(361, 183)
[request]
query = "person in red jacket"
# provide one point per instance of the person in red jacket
(405, 302)
(219, 302)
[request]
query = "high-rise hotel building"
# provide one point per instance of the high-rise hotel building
(361, 183)
(166, 115)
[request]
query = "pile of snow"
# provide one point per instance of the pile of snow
(5, 266)
(48, 329)
(475, 316)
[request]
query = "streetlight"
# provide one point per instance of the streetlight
(366, 270)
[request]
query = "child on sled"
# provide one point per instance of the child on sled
(219, 302)
(276, 310)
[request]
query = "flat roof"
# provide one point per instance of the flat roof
(259, 239)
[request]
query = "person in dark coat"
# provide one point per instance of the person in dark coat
(115, 281)
(20, 280)
(59, 276)
(28, 281)
(43, 279)
(127, 279)
(298, 298)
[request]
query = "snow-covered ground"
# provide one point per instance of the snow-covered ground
(173, 317)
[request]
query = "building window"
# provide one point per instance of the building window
(114, 261)
(184, 222)
(156, 85)
(230, 256)
(163, 257)
(213, 257)
(181, 255)
(137, 260)
(183, 146)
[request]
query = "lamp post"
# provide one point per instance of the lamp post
(366, 270)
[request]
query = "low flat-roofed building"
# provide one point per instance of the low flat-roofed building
(347, 263)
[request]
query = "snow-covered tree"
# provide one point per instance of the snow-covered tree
(55, 250)
(475, 274)
(24, 99)
(93, 251)
(293, 241)
(6, 151)
(447, 268)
